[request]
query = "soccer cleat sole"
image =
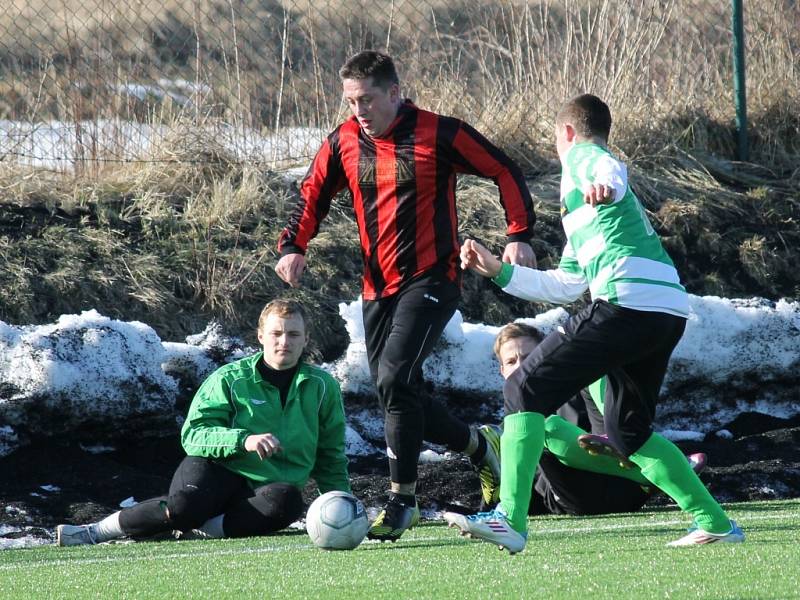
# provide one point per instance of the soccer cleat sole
(599, 446)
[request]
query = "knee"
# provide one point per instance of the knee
(183, 512)
(385, 381)
(397, 393)
(281, 501)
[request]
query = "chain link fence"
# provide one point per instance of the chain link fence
(98, 82)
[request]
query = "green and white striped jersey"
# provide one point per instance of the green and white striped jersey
(612, 248)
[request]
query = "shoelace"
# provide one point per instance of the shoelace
(694, 527)
(489, 515)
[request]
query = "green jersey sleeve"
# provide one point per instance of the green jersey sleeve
(207, 431)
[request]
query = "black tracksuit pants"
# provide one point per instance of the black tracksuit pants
(202, 489)
(400, 332)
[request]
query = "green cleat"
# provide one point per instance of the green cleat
(393, 520)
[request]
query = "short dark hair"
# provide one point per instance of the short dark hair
(513, 331)
(589, 115)
(283, 308)
(369, 63)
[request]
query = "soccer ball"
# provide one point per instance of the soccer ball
(337, 521)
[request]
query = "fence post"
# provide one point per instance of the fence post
(742, 145)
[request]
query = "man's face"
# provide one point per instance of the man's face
(512, 352)
(283, 340)
(374, 107)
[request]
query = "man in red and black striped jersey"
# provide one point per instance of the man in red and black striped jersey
(400, 164)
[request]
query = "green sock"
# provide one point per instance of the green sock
(561, 440)
(520, 448)
(665, 465)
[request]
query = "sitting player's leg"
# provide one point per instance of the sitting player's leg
(597, 443)
(202, 489)
(151, 514)
(199, 490)
(562, 441)
(566, 490)
(272, 507)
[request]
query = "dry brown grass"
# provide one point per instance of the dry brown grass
(505, 66)
(189, 233)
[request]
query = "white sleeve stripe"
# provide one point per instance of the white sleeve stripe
(590, 249)
(578, 219)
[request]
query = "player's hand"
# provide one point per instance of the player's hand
(519, 253)
(290, 268)
(477, 258)
(264, 444)
(598, 193)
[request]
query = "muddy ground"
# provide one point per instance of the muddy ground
(759, 461)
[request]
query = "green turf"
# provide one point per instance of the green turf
(615, 556)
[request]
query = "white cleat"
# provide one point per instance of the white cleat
(698, 537)
(491, 526)
(74, 535)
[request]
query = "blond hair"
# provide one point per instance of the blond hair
(282, 308)
(513, 331)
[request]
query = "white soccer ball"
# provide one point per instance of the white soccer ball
(337, 521)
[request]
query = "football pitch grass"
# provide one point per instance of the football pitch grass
(611, 556)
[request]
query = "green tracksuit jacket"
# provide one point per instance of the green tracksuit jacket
(235, 402)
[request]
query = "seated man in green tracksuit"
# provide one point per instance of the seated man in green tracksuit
(256, 431)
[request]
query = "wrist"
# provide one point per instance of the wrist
(503, 277)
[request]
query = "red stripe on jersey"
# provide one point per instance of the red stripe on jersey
(425, 162)
(452, 271)
(387, 242)
(351, 156)
(317, 174)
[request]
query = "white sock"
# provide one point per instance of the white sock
(213, 527)
(107, 529)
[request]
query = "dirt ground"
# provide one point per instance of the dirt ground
(760, 461)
